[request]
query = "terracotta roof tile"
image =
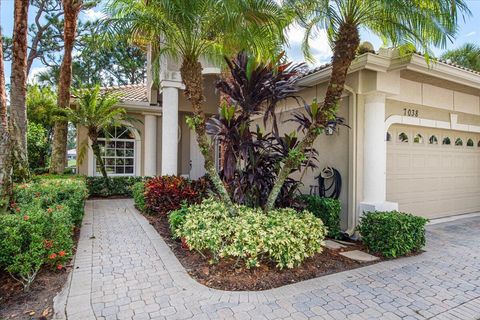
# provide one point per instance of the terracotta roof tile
(132, 92)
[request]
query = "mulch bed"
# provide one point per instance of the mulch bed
(227, 276)
(37, 303)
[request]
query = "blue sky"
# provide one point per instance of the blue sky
(469, 32)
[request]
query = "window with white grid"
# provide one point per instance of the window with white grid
(118, 152)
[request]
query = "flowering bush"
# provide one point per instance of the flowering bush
(50, 192)
(39, 230)
(284, 236)
(166, 193)
(35, 237)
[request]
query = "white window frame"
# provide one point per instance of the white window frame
(96, 173)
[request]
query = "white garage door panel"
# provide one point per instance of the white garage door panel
(433, 180)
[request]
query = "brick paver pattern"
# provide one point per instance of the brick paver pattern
(124, 270)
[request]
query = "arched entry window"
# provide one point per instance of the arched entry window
(117, 147)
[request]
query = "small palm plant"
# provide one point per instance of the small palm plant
(98, 112)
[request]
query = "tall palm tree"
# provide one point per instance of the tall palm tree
(191, 29)
(18, 91)
(5, 168)
(71, 9)
(97, 112)
(422, 23)
(467, 56)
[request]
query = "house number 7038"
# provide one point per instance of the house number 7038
(410, 112)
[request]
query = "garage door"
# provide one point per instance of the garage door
(433, 173)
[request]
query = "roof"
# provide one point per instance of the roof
(131, 92)
(438, 60)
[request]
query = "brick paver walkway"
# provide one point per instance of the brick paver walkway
(124, 270)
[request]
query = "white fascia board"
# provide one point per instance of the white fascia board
(135, 106)
(368, 61)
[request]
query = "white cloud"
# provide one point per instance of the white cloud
(93, 15)
(319, 45)
(471, 34)
(32, 76)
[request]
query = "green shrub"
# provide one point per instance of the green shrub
(39, 230)
(284, 236)
(33, 237)
(50, 192)
(117, 186)
(177, 218)
(138, 193)
(326, 209)
(393, 233)
(37, 145)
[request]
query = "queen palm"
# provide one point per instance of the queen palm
(97, 112)
(190, 29)
(421, 23)
(467, 56)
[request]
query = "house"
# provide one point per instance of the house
(71, 154)
(413, 141)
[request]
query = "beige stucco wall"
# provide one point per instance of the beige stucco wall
(333, 150)
(428, 95)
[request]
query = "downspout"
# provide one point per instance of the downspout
(352, 212)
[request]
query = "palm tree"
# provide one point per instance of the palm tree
(71, 9)
(467, 56)
(422, 23)
(5, 168)
(191, 29)
(97, 112)
(18, 91)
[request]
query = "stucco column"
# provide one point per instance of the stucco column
(150, 162)
(375, 155)
(169, 130)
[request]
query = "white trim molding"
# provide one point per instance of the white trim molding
(429, 123)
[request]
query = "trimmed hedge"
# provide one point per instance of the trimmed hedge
(138, 194)
(392, 233)
(284, 236)
(326, 209)
(39, 231)
(117, 186)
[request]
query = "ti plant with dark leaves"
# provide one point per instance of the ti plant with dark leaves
(251, 157)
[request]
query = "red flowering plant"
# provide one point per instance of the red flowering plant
(166, 193)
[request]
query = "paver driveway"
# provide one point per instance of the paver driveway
(124, 270)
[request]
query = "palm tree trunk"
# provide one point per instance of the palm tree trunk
(5, 167)
(191, 72)
(60, 134)
(98, 156)
(18, 92)
(344, 51)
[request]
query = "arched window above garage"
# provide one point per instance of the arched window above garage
(403, 137)
(459, 142)
(433, 140)
(470, 143)
(418, 138)
(446, 141)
